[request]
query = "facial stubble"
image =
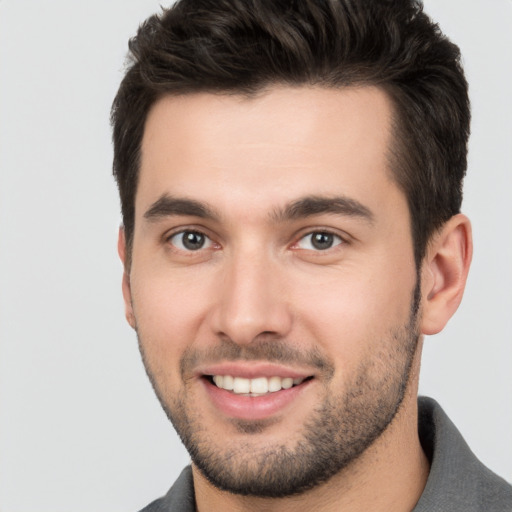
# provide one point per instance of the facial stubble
(341, 428)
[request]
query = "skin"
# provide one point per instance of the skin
(259, 280)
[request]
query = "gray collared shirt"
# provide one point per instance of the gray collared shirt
(457, 482)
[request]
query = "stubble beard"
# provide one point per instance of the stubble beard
(339, 430)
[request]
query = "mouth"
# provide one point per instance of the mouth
(254, 392)
(254, 387)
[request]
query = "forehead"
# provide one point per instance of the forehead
(281, 143)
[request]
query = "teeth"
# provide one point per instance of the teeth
(254, 387)
(241, 385)
(274, 384)
(259, 385)
(228, 383)
(287, 383)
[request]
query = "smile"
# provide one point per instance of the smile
(255, 387)
(253, 391)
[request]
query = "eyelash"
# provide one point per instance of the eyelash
(336, 240)
(323, 233)
(193, 232)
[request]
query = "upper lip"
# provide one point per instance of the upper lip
(252, 370)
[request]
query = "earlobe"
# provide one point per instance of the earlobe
(127, 295)
(444, 273)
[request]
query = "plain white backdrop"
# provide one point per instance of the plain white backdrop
(80, 429)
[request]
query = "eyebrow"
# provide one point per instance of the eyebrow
(168, 206)
(318, 205)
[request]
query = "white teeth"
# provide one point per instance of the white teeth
(241, 385)
(228, 383)
(254, 387)
(274, 384)
(259, 385)
(287, 383)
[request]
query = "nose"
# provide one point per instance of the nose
(251, 301)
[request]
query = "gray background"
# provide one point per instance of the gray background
(80, 429)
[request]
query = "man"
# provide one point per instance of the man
(290, 177)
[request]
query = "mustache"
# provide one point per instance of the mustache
(275, 351)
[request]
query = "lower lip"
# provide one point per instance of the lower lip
(253, 407)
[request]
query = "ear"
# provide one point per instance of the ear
(127, 293)
(444, 272)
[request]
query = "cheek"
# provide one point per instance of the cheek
(168, 312)
(348, 311)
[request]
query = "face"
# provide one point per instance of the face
(272, 281)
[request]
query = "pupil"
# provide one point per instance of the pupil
(193, 241)
(322, 240)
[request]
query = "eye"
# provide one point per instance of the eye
(319, 241)
(190, 241)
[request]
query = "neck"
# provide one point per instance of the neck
(390, 475)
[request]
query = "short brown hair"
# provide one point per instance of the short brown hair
(243, 46)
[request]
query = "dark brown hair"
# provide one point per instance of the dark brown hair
(243, 46)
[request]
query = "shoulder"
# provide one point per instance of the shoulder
(458, 481)
(180, 497)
